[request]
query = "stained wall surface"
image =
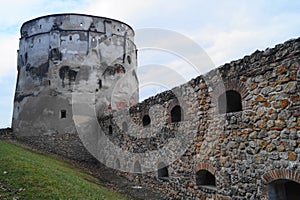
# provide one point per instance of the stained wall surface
(66, 53)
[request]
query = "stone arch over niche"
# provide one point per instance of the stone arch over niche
(205, 177)
(281, 184)
(229, 85)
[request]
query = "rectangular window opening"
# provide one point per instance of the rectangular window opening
(63, 114)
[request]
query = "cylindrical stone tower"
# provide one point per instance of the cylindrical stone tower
(53, 50)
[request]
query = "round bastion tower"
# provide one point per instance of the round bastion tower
(53, 51)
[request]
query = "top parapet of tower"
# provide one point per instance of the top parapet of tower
(74, 22)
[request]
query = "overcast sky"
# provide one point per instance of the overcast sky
(226, 30)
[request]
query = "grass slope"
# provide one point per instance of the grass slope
(29, 175)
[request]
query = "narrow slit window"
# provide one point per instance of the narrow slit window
(100, 83)
(110, 130)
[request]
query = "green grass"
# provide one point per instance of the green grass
(26, 174)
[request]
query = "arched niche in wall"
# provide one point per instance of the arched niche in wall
(281, 184)
(230, 101)
(176, 114)
(206, 180)
(284, 189)
(137, 167)
(229, 95)
(146, 120)
(162, 171)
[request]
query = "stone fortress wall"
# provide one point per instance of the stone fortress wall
(246, 144)
(239, 124)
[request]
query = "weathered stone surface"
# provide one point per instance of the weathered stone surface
(260, 98)
(57, 52)
(292, 156)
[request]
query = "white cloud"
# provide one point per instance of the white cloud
(14, 11)
(252, 26)
(127, 11)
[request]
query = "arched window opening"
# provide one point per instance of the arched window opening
(110, 130)
(137, 167)
(206, 180)
(176, 114)
(162, 171)
(230, 101)
(284, 189)
(146, 120)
